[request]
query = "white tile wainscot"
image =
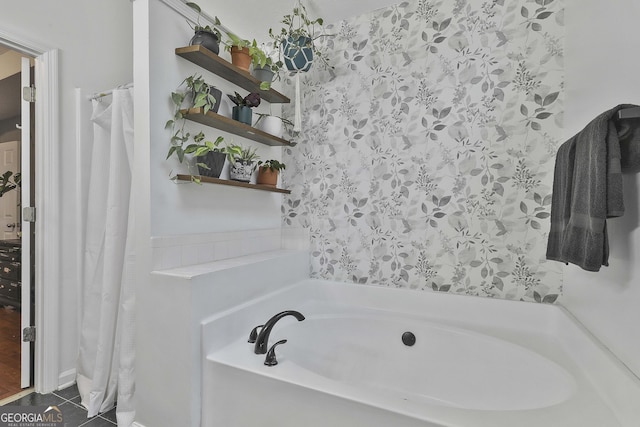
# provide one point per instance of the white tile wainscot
(179, 251)
(181, 298)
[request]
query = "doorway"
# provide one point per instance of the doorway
(16, 311)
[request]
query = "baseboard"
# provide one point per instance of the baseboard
(137, 424)
(66, 379)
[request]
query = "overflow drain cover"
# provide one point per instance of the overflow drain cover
(408, 338)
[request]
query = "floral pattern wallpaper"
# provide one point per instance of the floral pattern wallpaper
(427, 152)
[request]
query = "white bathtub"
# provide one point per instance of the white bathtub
(476, 362)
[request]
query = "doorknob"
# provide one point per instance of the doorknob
(11, 225)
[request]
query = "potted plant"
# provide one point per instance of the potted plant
(265, 68)
(296, 39)
(244, 52)
(268, 172)
(198, 94)
(243, 163)
(272, 124)
(207, 35)
(242, 110)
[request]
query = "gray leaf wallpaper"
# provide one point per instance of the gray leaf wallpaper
(427, 152)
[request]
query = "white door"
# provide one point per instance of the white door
(9, 202)
(26, 226)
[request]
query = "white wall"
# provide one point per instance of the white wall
(9, 63)
(603, 70)
(94, 39)
(188, 209)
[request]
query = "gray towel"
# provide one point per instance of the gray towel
(587, 189)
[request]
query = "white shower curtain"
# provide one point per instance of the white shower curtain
(106, 358)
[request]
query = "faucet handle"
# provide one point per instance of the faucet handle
(253, 335)
(271, 360)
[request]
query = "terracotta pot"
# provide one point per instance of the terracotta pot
(241, 58)
(267, 176)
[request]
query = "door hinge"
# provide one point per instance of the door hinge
(29, 214)
(29, 334)
(29, 93)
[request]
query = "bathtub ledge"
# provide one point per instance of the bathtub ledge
(196, 270)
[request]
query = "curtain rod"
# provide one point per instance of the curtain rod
(109, 92)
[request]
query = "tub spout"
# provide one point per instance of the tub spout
(262, 342)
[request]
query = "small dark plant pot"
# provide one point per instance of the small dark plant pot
(206, 39)
(264, 74)
(217, 94)
(242, 113)
(241, 170)
(214, 161)
(298, 56)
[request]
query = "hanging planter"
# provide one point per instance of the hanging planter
(297, 53)
(297, 39)
(297, 43)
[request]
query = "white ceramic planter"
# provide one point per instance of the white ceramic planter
(271, 125)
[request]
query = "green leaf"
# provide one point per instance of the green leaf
(524, 12)
(177, 98)
(194, 6)
(524, 110)
(544, 15)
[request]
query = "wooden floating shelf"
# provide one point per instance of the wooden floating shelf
(235, 127)
(210, 61)
(209, 180)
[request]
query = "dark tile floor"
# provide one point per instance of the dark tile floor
(68, 401)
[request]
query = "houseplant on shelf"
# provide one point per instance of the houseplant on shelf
(242, 110)
(243, 52)
(265, 68)
(198, 94)
(207, 35)
(243, 163)
(268, 172)
(297, 39)
(272, 124)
